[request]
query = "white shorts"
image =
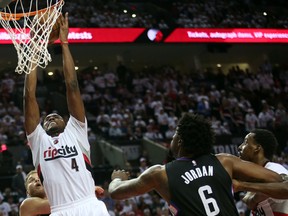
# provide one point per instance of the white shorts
(90, 206)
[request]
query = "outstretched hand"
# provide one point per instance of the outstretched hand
(64, 28)
(122, 174)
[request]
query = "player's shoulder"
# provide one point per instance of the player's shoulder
(225, 157)
(154, 171)
(34, 205)
(155, 174)
(156, 168)
(26, 204)
(29, 201)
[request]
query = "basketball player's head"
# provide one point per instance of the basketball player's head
(258, 143)
(33, 186)
(194, 136)
(53, 124)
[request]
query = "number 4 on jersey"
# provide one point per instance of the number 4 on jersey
(74, 164)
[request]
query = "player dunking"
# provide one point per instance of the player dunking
(61, 152)
(197, 182)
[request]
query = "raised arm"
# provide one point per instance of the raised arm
(74, 101)
(31, 108)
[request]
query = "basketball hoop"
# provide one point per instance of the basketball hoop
(29, 31)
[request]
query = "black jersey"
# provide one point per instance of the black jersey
(200, 187)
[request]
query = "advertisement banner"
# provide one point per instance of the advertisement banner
(184, 35)
(178, 35)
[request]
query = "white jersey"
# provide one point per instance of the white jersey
(270, 206)
(63, 163)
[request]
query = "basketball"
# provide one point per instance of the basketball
(42, 23)
(54, 35)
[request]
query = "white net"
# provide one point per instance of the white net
(29, 25)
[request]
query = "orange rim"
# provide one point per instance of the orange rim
(17, 16)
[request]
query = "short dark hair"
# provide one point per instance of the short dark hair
(267, 140)
(196, 134)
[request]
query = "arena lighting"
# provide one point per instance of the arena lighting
(177, 35)
(50, 73)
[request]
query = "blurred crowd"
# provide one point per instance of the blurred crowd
(186, 13)
(132, 105)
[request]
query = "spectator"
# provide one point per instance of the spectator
(103, 122)
(18, 181)
(115, 131)
(152, 134)
(13, 206)
(143, 165)
(5, 208)
(170, 132)
(137, 134)
(139, 122)
(126, 208)
(163, 121)
(265, 116)
(203, 107)
(251, 120)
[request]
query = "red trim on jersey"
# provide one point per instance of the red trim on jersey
(39, 170)
(40, 174)
(87, 160)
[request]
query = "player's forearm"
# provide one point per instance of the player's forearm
(30, 83)
(114, 189)
(29, 97)
(70, 75)
(74, 101)
(68, 64)
(274, 190)
(31, 108)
